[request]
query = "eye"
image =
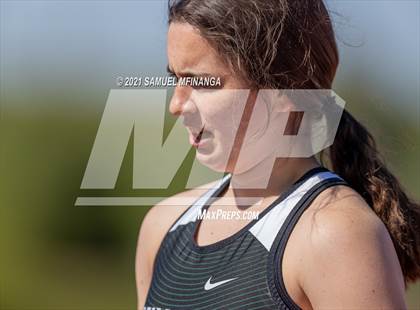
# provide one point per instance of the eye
(205, 88)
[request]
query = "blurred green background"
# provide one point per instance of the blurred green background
(58, 61)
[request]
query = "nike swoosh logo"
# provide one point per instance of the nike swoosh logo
(208, 286)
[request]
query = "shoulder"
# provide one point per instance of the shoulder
(346, 248)
(340, 220)
(339, 212)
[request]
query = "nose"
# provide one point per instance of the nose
(180, 102)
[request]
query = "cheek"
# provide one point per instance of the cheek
(221, 110)
(259, 121)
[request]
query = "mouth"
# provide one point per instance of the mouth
(201, 138)
(198, 137)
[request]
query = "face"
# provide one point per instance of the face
(221, 114)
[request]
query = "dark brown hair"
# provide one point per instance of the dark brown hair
(289, 44)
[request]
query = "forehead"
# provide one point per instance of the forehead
(188, 49)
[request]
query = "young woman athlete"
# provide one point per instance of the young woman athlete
(345, 238)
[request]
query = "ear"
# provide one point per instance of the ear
(282, 103)
(285, 108)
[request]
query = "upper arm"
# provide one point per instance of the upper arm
(350, 261)
(148, 243)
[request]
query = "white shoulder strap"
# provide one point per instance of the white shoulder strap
(267, 228)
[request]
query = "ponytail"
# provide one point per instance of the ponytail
(354, 156)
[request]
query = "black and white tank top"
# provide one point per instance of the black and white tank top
(242, 271)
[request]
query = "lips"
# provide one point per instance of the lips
(197, 137)
(200, 138)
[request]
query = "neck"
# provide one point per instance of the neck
(255, 184)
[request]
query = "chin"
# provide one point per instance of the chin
(216, 160)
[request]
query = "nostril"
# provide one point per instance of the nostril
(174, 111)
